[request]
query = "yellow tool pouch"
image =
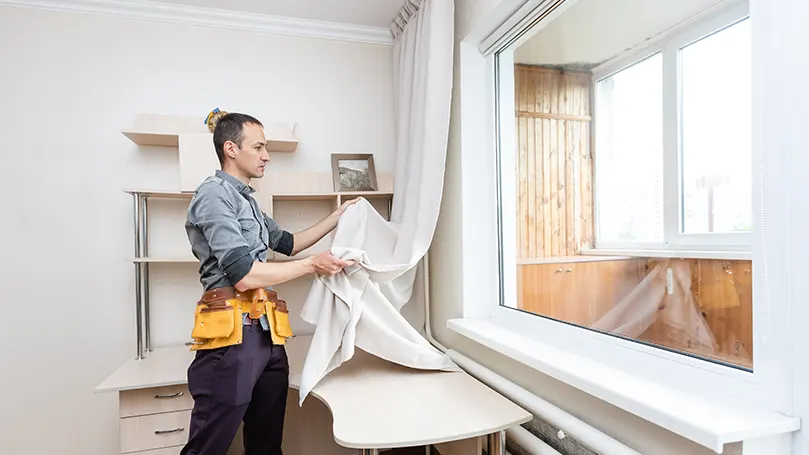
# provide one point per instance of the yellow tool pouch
(218, 317)
(279, 314)
(214, 321)
(216, 325)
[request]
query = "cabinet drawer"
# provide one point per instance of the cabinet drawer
(155, 431)
(155, 400)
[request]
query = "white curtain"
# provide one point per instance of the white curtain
(362, 306)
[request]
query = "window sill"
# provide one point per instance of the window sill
(711, 423)
(679, 254)
(571, 259)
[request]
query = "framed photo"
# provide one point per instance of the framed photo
(353, 172)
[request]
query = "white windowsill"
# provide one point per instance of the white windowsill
(679, 254)
(711, 423)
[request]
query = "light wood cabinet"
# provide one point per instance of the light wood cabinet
(576, 291)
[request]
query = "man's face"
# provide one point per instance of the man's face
(252, 155)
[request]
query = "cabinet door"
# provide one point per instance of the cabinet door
(539, 289)
(608, 283)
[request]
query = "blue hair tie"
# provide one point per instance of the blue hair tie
(211, 114)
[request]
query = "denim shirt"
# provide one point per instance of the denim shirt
(228, 232)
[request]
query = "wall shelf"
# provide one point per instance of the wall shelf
(173, 194)
(292, 217)
(274, 144)
(281, 145)
(168, 130)
(295, 199)
(190, 138)
(333, 195)
(157, 260)
(159, 194)
(154, 139)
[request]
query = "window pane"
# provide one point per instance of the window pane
(629, 150)
(716, 132)
(587, 146)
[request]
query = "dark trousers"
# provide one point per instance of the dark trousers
(245, 382)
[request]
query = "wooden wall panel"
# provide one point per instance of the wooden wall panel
(554, 164)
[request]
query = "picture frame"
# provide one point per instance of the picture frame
(353, 172)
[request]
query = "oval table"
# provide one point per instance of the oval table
(376, 404)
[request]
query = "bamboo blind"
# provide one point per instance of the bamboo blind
(554, 163)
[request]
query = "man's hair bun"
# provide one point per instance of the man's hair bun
(214, 117)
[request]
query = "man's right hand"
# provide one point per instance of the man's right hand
(328, 265)
(263, 274)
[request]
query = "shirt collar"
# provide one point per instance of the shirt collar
(238, 184)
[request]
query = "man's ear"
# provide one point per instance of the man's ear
(230, 149)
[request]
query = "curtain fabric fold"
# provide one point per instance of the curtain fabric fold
(361, 307)
(408, 10)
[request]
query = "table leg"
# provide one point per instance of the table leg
(369, 451)
(497, 443)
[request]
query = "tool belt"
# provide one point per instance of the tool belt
(218, 317)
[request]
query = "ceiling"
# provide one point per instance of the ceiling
(592, 31)
(374, 13)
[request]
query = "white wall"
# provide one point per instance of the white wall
(68, 84)
(446, 295)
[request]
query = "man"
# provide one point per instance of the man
(240, 372)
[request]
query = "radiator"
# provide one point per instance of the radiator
(553, 431)
(559, 432)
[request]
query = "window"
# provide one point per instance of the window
(629, 140)
(625, 184)
(672, 146)
(715, 118)
(686, 296)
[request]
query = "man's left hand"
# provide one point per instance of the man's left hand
(345, 205)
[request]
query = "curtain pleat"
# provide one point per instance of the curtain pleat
(409, 9)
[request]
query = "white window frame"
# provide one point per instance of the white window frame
(727, 245)
(486, 189)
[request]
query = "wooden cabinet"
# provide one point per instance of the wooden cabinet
(581, 290)
(576, 291)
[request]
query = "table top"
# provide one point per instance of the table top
(374, 403)
(161, 367)
(378, 404)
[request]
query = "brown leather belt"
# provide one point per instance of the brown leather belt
(256, 297)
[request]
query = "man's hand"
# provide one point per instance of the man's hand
(328, 265)
(345, 205)
(308, 237)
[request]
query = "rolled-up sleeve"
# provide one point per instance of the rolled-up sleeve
(281, 241)
(215, 217)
